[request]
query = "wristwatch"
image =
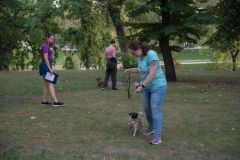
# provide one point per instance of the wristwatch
(143, 86)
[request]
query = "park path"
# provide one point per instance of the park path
(206, 61)
(200, 61)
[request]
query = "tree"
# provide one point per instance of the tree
(114, 9)
(11, 24)
(89, 35)
(226, 38)
(41, 21)
(175, 21)
(24, 25)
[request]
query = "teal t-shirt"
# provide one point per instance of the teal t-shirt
(143, 64)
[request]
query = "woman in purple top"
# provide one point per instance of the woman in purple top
(46, 66)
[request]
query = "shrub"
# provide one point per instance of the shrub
(69, 63)
(223, 60)
(128, 61)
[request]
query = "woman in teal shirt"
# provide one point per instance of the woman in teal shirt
(152, 86)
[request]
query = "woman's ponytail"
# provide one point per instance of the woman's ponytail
(145, 47)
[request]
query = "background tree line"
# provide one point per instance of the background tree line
(87, 26)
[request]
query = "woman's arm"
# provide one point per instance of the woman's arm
(152, 72)
(45, 56)
(132, 70)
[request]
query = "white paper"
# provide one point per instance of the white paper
(49, 76)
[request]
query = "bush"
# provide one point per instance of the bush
(222, 60)
(128, 61)
(68, 63)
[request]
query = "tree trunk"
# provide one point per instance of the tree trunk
(168, 60)
(86, 59)
(115, 16)
(165, 47)
(1, 60)
(234, 59)
(4, 59)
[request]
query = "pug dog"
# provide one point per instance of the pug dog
(135, 121)
(99, 82)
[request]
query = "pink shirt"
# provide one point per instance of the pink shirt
(110, 52)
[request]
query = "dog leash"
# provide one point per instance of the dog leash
(127, 85)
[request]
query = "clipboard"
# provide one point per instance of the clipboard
(52, 78)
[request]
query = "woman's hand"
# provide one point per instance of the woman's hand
(51, 71)
(136, 85)
(139, 89)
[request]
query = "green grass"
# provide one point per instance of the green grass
(201, 119)
(201, 54)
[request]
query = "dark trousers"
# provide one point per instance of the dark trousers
(111, 70)
(43, 69)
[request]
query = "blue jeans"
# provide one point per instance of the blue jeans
(152, 101)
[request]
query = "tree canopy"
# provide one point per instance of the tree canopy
(87, 26)
(226, 37)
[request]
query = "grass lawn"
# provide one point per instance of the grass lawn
(199, 54)
(201, 119)
(187, 54)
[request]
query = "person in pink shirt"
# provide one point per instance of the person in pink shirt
(111, 65)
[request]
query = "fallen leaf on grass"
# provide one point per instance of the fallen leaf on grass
(32, 117)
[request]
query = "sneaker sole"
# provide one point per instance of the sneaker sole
(57, 105)
(156, 143)
(46, 105)
(148, 133)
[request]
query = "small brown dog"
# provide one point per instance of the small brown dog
(99, 82)
(135, 121)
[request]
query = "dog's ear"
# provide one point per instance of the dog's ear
(130, 114)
